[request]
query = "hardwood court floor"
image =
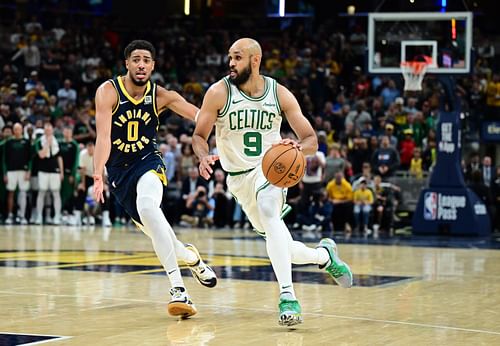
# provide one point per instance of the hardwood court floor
(98, 287)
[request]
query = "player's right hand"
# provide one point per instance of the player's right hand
(206, 164)
(98, 188)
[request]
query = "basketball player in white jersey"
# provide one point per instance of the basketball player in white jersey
(247, 109)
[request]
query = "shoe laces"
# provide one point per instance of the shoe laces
(177, 293)
(335, 270)
(288, 305)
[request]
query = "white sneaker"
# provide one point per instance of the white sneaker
(9, 220)
(180, 304)
(91, 220)
(38, 220)
(106, 222)
(375, 231)
(23, 221)
(56, 221)
(200, 270)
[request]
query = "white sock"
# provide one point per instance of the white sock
(21, 200)
(302, 254)
(181, 252)
(40, 199)
(57, 203)
(149, 196)
(277, 242)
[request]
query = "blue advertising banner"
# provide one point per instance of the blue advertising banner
(490, 131)
(448, 206)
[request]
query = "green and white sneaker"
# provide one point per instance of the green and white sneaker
(338, 270)
(290, 311)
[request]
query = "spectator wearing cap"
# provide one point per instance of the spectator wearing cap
(389, 132)
(273, 64)
(400, 112)
(32, 81)
(322, 142)
(417, 165)
(314, 176)
(406, 148)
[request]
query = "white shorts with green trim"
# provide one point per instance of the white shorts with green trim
(246, 187)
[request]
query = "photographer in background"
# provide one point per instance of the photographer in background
(199, 209)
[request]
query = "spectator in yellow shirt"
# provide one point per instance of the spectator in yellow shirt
(493, 97)
(339, 192)
(416, 165)
(363, 201)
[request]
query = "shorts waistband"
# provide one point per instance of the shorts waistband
(240, 172)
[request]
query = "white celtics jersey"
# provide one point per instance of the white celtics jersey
(246, 127)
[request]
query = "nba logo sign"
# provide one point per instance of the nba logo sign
(430, 205)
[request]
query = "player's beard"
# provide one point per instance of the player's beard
(139, 82)
(243, 76)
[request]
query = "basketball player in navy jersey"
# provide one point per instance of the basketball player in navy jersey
(127, 111)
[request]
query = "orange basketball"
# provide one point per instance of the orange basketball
(284, 165)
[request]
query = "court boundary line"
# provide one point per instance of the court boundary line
(315, 314)
(59, 337)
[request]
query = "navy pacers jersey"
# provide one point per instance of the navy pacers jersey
(134, 126)
(133, 145)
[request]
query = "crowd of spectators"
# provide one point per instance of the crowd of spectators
(368, 128)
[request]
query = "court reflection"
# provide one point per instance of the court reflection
(190, 332)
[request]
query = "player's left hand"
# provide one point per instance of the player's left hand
(290, 141)
(98, 188)
(206, 164)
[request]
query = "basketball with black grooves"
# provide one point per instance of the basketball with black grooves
(284, 165)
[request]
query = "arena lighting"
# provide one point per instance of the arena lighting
(453, 29)
(187, 5)
(282, 8)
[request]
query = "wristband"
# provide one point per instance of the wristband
(97, 177)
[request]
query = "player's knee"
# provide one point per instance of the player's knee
(268, 207)
(146, 205)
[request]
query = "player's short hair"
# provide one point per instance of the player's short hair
(139, 44)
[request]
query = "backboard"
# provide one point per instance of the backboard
(395, 37)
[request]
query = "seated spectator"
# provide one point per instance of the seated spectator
(365, 175)
(189, 187)
(384, 207)
(389, 132)
(339, 192)
(317, 217)
(334, 162)
(199, 209)
(416, 165)
(385, 159)
(66, 95)
(406, 148)
(363, 200)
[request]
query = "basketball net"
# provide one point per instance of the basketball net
(414, 72)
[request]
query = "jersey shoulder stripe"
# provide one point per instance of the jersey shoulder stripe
(117, 94)
(228, 100)
(275, 90)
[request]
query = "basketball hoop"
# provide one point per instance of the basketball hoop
(414, 72)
